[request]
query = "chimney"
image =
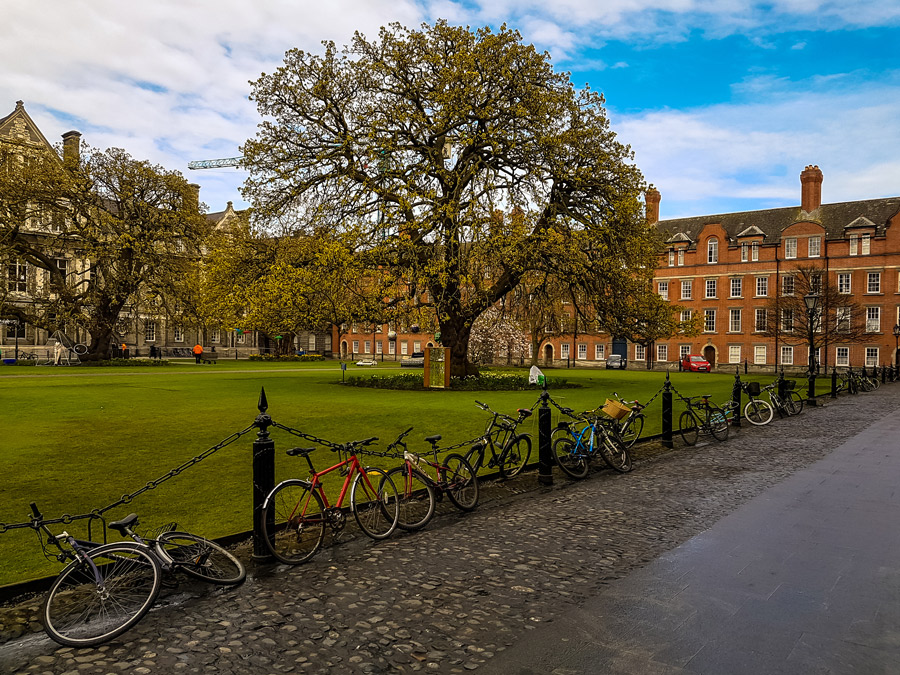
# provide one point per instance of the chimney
(651, 200)
(810, 189)
(72, 148)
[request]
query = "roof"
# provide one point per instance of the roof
(772, 222)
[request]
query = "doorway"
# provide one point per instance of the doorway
(709, 353)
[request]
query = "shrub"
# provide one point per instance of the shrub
(287, 357)
(127, 362)
(486, 381)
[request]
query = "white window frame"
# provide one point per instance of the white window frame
(787, 319)
(865, 244)
(564, 350)
(844, 283)
(671, 258)
(709, 321)
(785, 284)
(681, 257)
(873, 282)
(790, 248)
(787, 355)
(599, 352)
(392, 347)
(215, 336)
(734, 321)
(417, 346)
(711, 288)
(754, 251)
(662, 352)
(582, 351)
(734, 353)
(760, 318)
(686, 315)
(854, 244)
(737, 284)
(379, 348)
(871, 356)
(311, 343)
(712, 251)
(150, 331)
(814, 251)
(663, 289)
(873, 319)
(762, 287)
(177, 334)
(842, 356)
(404, 348)
(689, 287)
(759, 355)
(367, 347)
(842, 319)
(640, 352)
(356, 346)
(745, 252)
(683, 351)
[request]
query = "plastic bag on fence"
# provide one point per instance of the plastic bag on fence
(535, 376)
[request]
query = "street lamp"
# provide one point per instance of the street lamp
(896, 344)
(811, 300)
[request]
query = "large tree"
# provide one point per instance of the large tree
(418, 139)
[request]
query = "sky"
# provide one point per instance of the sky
(724, 102)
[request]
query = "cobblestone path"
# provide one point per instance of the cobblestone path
(454, 596)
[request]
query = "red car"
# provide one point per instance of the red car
(695, 363)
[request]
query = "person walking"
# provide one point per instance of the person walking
(198, 352)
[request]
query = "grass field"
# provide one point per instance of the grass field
(76, 439)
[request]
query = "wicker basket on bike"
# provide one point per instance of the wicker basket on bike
(615, 409)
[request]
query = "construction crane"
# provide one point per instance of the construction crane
(216, 163)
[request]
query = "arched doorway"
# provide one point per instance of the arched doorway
(548, 354)
(709, 353)
(343, 349)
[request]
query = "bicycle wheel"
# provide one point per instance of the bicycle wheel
(201, 558)
(687, 425)
(717, 423)
(571, 458)
(475, 458)
(80, 612)
(377, 510)
(293, 522)
(632, 430)
(614, 451)
(793, 402)
(461, 483)
(515, 456)
(416, 497)
(758, 412)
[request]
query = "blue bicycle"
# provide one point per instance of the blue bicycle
(574, 448)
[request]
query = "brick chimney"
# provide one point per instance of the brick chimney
(810, 189)
(651, 200)
(72, 148)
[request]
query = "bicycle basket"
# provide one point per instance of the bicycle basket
(615, 409)
(789, 385)
(753, 388)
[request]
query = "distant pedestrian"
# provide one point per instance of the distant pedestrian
(198, 352)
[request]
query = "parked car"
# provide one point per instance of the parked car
(616, 361)
(695, 363)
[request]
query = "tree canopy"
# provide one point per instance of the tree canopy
(459, 160)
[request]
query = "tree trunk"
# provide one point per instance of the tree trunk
(455, 334)
(100, 345)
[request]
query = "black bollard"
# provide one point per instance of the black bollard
(833, 382)
(736, 398)
(545, 452)
(263, 478)
(883, 373)
(781, 385)
(667, 414)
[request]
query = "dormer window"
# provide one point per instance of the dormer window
(864, 244)
(712, 251)
(681, 257)
(754, 251)
(671, 258)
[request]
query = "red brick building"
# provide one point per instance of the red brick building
(728, 267)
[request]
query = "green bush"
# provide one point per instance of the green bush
(25, 362)
(486, 381)
(127, 362)
(287, 357)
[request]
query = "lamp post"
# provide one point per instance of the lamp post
(811, 300)
(896, 345)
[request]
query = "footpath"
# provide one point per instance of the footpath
(776, 551)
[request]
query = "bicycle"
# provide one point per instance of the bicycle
(107, 588)
(515, 449)
(756, 411)
(573, 451)
(630, 427)
(702, 417)
(790, 404)
(419, 492)
(295, 512)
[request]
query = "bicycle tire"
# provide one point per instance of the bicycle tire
(632, 430)
(78, 613)
(717, 423)
(687, 425)
(793, 403)
(293, 537)
(758, 412)
(80, 349)
(461, 482)
(569, 459)
(475, 458)
(376, 510)
(515, 456)
(614, 451)
(201, 558)
(416, 495)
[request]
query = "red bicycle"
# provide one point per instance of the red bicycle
(295, 513)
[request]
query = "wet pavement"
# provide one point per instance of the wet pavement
(504, 589)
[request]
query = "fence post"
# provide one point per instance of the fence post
(736, 397)
(781, 387)
(667, 414)
(833, 382)
(545, 452)
(263, 476)
(883, 373)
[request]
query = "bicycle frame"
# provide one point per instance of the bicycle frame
(315, 482)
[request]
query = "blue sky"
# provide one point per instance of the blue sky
(724, 102)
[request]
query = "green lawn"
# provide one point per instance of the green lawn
(75, 439)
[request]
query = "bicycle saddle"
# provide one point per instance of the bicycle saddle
(127, 523)
(433, 439)
(302, 452)
(524, 412)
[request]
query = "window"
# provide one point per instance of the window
(762, 287)
(640, 353)
(736, 287)
(759, 354)
(709, 321)
(787, 284)
(686, 288)
(873, 284)
(710, 288)
(392, 346)
(787, 356)
(790, 247)
(759, 324)
(671, 258)
(873, 319)
(367, 347)
(854, 244)
(356, 346)
(842, 356)
(214, 336)
(712, 251)
(599, 352)
(685, 350)
(815, 247)
(842, 319)
(239, 338)
(178, 334)
(150, 331)
(311, 344)
(17, 274)
(815, 283)
(662, 352)
(844, 283)
(15, 330)
(417, 346)
(734, 353)
(685, 315)
(404, 348)
(787, 320)
(680, 257)
(564, 350)
(582, 352)
(871, 356)
(663, 287)
(379, 349)
(865, 244)
(754, 251)
(734, 321)
(353, 330)
(745, 252)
